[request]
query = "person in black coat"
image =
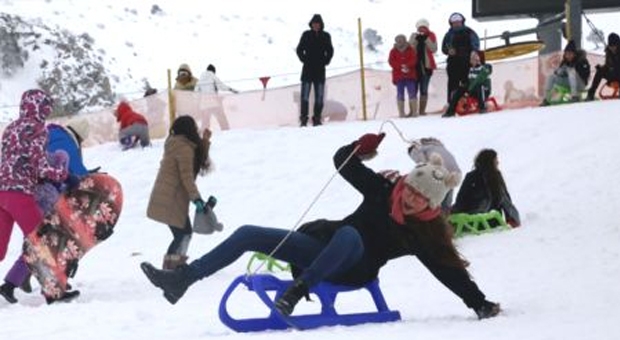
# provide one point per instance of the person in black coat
(315, 51)
(484, 189)
(457, 44)
(611, 69)
(394, 219)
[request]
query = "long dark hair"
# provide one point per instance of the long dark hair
(485, 163)
(186, 126)
(435, 238)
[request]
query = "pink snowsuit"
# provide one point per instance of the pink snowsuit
(23, 164)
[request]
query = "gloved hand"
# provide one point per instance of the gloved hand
(200, 205)
(368, 144)
(211, 201)
(487, 310)
(421, 37)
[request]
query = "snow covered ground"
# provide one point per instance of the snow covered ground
(556, 276)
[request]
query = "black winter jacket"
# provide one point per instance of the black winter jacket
(475, 197)
(384, 239)
(315, 51)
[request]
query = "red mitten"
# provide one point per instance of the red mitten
(368, 143)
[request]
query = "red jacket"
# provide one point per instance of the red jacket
(403, 64)
(127, 116)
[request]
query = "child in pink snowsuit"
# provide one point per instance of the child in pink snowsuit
(23, 163)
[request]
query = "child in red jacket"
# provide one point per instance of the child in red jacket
(134, 127)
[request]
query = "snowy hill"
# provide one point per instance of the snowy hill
(139, 40)
(556, 276)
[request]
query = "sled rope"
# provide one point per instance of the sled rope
(316, 198)
(400, 133)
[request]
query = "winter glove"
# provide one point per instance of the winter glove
(211, 201)
(487, 310)
(421, 37)
(200, 205)
(367, 145)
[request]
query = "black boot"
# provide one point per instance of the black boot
(286, 303)
(26, 286)
(316, 121)
(303, 121)
(68, 296)
(7, 290)
(174, 283)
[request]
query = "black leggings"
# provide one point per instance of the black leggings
(180, 239)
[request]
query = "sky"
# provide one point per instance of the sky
(556, 276)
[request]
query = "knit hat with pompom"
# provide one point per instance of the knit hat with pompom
(432, 180)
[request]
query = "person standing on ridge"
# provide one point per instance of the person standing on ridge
(315, 51)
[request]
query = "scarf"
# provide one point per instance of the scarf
(396, 212)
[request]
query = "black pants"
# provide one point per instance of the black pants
(458, 70)
(180, 239)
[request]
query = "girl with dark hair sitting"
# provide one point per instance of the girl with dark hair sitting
(484, 189)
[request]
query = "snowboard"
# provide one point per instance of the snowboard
(81, 219)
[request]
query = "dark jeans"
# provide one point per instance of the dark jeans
(319, 92)
(319, 261)
(180, 239)
(423, 82)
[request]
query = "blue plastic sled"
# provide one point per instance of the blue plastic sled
(326, 292)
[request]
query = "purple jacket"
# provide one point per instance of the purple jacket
(24, 158)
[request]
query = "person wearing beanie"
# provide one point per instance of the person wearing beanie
(210, 86)
(610, 70)
(402, 59)
(457, 44)
(393, 220)
(185, 81)
(424, 42)
(133, 127)
(315, 51)
(573, 73)
(484, 189)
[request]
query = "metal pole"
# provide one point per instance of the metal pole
(362, 76)
(574, 15)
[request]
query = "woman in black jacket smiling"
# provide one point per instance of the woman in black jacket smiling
(394, 219)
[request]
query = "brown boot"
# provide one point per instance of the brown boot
(172, 261)
(423, 101)
(413, 108)
(401, 108)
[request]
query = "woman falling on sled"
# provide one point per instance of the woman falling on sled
(393, 220)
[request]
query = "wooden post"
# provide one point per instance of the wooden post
(171, 101)
(362, 76)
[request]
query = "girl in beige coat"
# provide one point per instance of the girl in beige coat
(186, 154)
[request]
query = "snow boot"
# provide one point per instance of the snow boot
(400, 104)
(68, 296)
(413, 108)
(174, 283)
(173, 261)
(7, 290)
(286, 303)
(316, 121)
(488, 310)
(423, 102)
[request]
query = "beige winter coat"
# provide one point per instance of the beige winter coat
(175, 185)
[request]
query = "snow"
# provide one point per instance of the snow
(556, 276)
